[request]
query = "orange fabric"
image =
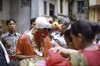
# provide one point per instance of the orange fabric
(24, 46)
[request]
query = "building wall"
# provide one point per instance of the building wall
(92, 2)
(5, 14)
(65, 7)
(75, 12)
(92, 14)
(98, 14)
(21, 14)
(98, 2)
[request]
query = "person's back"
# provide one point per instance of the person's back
(83, 41)
(93, 57)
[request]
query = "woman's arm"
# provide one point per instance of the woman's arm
(63, 51)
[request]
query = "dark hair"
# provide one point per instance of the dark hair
(86, 28)
(67, 35)
(33, 20)
(64, 21)
(55, 17)
(9, 20)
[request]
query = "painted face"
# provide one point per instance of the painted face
(44, 32)
(11, 26)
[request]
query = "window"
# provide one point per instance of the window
(61, 6)
(45, 7)
(1, 5)
(80, 6)
(52, 9)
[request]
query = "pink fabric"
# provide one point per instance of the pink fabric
(55, 59)
(93, 57)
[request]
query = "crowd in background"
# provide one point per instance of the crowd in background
(65, 41)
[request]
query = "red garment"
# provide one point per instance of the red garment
(55, 59)
(57, 29)
(92, 57)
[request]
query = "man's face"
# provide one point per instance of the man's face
(11, 25)
(63, 28)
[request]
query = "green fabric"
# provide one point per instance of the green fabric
(77, 59)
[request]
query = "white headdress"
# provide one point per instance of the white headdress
(41, 22)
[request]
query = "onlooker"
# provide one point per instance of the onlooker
(9, 39)
(58, 38)
(83, 34)
(35, 42)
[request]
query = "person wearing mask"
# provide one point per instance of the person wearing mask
(35, 42)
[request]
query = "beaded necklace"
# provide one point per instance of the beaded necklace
(38, 45)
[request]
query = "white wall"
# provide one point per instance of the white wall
(65, 7)
(21, 15)
(92, 2)
(34, 8)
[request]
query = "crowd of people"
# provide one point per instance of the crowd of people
(62, 42)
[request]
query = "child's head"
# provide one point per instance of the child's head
(68, 39)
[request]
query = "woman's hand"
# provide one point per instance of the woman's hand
(64, 52)
(56, 49)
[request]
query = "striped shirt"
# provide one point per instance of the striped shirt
(10, 41)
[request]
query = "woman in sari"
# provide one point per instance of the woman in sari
(88, 54)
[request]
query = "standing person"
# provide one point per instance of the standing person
(32, 24)
(58, 38)
(83, 34)
(9, 39)
(4, 59)
(35, 42)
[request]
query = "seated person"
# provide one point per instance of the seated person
(36, 42)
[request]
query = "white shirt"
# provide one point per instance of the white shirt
(60, 39)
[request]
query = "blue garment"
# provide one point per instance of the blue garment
(3, 61)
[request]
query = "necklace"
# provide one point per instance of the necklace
(38, 50)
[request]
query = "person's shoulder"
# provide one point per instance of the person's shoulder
(5, 35)
(24, 36)
(18, 33)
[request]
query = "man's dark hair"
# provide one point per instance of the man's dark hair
(33, 20)
(9, 20)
